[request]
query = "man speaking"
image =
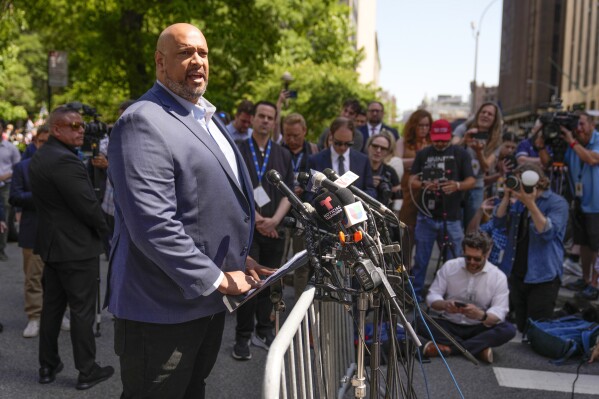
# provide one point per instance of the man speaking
(184, 217)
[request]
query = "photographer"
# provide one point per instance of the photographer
(481, 138)
(582, 158)
(443, 171)
(535, 219)
(384, 176)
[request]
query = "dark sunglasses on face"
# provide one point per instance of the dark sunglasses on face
(343, 143)
(379, 147)
(473, 258)
(75, 125)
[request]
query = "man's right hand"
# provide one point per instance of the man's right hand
(236, 283)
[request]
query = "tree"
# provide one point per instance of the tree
(111, 47)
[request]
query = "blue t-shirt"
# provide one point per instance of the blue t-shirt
(586, 174)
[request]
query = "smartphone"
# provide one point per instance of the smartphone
(459, 304)
(293, 94)
(481, 135)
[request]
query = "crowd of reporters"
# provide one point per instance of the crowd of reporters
(441, 182)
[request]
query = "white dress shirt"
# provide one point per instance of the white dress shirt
(335, 160)
(486, 289)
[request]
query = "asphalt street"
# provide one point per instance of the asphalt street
(233, 379)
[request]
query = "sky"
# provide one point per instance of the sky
(426, 47)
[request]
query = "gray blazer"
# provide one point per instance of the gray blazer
(180, 215)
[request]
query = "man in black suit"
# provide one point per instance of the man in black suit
(375, 125)
(341, 158)
(69, 242)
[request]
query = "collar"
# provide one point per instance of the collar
(203, 109)
(378, 127)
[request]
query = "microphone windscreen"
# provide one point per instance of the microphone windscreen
(345, 196)
(273, 177)
(329, 208)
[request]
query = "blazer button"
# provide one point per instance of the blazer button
(246, 219)
(243, 251)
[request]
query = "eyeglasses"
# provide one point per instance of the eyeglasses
(375, 110)
(343, 143)
(379, 147)
(473, 258)
(74, 125)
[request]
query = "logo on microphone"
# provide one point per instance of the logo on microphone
(355, 213)
(327, 203)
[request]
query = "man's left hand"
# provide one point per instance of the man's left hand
(471, 311)
(256, 270)
(528, 199)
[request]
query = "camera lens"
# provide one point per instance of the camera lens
(513, 183)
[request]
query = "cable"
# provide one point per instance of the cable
(434, 343)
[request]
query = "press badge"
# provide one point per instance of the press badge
(578, 189)
(260, 196)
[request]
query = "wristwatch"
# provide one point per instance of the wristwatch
(484, 317)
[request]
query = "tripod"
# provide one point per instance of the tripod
(446, 244)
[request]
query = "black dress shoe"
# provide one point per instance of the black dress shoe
(98, 375)
(48, 375)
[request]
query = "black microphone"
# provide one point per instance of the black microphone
(274, 178)
(333, 176)
(329, 208)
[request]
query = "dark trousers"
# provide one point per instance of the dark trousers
(535, 301)
(75, 284)
(167, 360)
(474, 338)
(267, 252)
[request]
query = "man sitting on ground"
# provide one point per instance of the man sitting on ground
(472, 296)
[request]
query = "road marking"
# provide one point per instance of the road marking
(546, 380)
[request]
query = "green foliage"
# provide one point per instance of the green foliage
(111, 44)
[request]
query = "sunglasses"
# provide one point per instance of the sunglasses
(473, 258)
(343, 143)
(379, 147)
(75, 125)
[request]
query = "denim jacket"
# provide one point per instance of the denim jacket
(545, 248)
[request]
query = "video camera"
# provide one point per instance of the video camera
(440, 171)
(552, 121)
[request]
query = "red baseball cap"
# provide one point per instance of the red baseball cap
(440, 130)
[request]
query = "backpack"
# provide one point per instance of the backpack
(561, 338)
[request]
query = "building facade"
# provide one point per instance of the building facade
(530, 71)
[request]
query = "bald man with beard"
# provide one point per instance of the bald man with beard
(184, 218)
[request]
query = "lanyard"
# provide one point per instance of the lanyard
(297, 163)
(260, 172)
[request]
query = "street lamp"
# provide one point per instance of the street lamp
(476, 33)
(555, 89)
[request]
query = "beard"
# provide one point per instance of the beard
(189, 93)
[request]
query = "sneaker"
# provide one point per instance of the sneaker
(486, 355)
(66, 323)
(98, 375)
(263, 341)
(3, 256)
(430, 350)
(572, 267)
(32, 329)
(590, 293)
(577, 285)
(241, 349)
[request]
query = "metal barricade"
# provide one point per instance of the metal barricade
(313, 355)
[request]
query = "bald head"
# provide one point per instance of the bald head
(182, 61)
